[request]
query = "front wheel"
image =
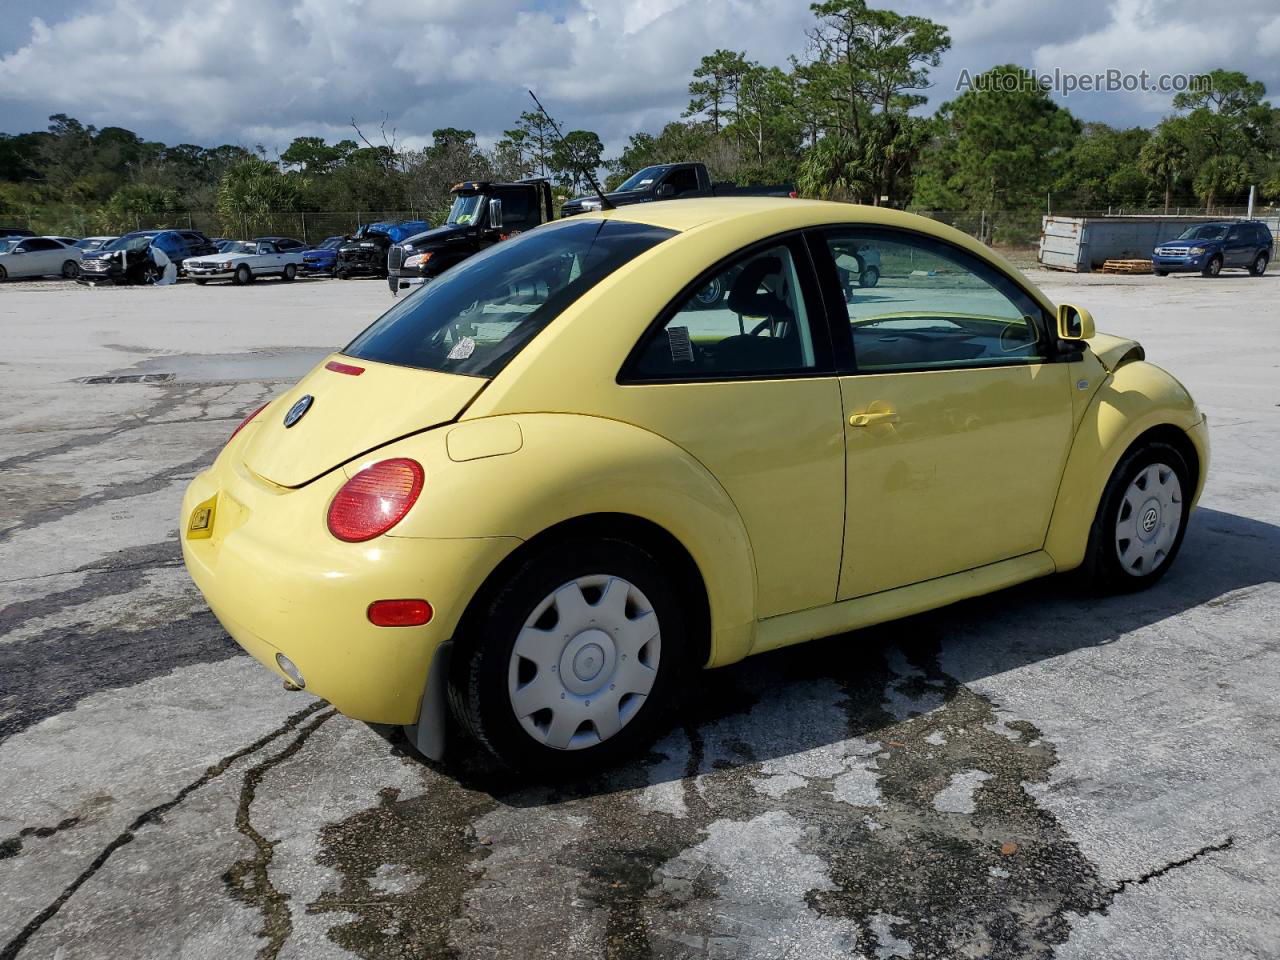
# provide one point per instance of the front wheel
(1161, 273)
(869, 277)
(242, 275)
(1213, 267)
(1259, 265)
(575, 659)
(200, 283)
(1141, 520)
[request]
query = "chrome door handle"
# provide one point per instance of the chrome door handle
(867, 419)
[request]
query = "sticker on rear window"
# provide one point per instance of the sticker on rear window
(681, 345)
(463, 349)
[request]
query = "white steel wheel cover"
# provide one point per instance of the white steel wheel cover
(584, 662)
(1148, 520)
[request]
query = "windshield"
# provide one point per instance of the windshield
(645, 178)
(333, 243)
(466, 208)
(479, 314)
(8, 245)
(1204, 231)
(239, 246)
(132, 242)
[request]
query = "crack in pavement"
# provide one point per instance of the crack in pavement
(1169, 867)
(153, 815)
(248, 880)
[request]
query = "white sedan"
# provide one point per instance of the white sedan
(38, 257)
(243, 260)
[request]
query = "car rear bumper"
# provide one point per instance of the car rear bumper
(281, 584)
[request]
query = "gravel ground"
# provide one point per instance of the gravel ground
(1032, 774)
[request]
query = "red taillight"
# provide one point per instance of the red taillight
(400, 613)
(375, 499)
(246, 421)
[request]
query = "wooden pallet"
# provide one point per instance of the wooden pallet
(1126, 266)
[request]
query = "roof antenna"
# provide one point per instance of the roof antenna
(605, 202)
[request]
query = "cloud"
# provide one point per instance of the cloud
(264, 71)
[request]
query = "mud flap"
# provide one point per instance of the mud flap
(428, 734)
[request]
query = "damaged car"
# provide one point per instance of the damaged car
(365, 252)
(128, 259)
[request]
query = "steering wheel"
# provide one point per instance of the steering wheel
(763, 325)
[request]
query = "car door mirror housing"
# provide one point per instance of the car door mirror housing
(1074, 323)
(495, 214)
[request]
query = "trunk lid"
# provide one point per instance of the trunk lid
(350, 415)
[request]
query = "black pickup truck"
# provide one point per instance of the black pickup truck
(483, 213)
(668, 181)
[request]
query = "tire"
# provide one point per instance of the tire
(4, 274)
(149, 275)
(522, 711)
(869, 277)
(708, 296)
(1150, 490)
(1259, 265)
(199, 283)
(342, 275)
(242, 275)
(1161, 273)
(289, 273)
(1214, 267)
(70, 270)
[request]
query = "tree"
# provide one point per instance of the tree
(863, 63)
(252, 191)
(580, 151)
(715, 85)
(313, 156)
(537, 138)
(1000, 146)
(1102, 168)
(1163, 159)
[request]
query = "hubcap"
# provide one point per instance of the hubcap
(584, 661)
(1148, 521)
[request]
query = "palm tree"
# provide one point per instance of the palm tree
(1162, 159)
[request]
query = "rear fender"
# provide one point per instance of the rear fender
(525, 474)
(1137, 397)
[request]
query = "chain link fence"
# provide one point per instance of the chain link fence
(309, 227)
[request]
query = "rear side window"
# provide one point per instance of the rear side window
(479, 314)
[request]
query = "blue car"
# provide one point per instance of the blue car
(1209, 248)
(322, 258)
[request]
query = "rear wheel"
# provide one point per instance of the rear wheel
(70, 270)
(289, 272)
(4, 275)
(575, 659)
(709, 295)
(242, 275)
(1259, 265)
(200, 283)
(1213, 267)
(869, 277)
(1161, 273)
(1141, 520)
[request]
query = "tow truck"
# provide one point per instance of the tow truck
(483, 213)
(670, 181)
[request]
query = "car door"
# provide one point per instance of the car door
(1238, 247)
(41, 257)
(957, 419)
(268, 258)
(745, 385)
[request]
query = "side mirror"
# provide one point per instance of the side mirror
(495, 214)
(16, 250)
(667, 190)
(1074, 323)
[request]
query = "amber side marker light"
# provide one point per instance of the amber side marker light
(400, 613)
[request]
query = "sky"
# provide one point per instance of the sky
(264, 71)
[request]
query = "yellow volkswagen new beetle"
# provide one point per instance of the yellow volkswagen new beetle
(618, 447)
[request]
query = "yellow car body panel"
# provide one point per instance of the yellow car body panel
(792, 516)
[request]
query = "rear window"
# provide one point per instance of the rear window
(479, 314)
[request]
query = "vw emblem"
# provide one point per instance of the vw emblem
(1149, 520)
(298, 410)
